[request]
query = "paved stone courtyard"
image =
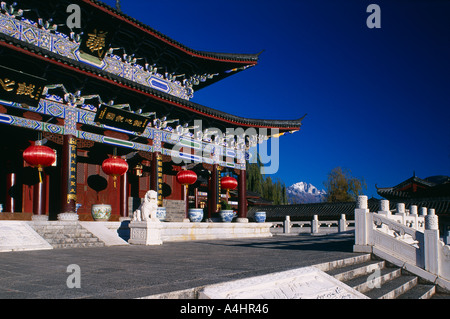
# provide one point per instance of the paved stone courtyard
(140, 271)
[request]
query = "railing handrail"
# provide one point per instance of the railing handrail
(394, 225)
(401, 239)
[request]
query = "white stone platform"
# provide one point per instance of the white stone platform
(301, 283)
(210, 231)
(156, 233)
(18, 235)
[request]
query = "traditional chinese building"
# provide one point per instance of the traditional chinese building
(430, 192)
(113, 87)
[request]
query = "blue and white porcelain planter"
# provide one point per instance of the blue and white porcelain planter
(260, 217)
(161, 213)
(195, 215)
(227, 215)
(101, 212)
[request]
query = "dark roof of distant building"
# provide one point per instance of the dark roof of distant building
(333, 211)
(415, 187)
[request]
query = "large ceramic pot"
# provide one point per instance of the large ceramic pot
(227, 215)
(101, 212)
(260, 217)
(195, 215)
(161, 213)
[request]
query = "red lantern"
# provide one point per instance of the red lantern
(39, 156)
(228, 183)
(115, 166)
(186, 177)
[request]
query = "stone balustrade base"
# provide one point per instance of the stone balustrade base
(171, 232)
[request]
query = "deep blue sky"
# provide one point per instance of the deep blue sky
(378, 100)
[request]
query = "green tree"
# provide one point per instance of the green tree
(341, 186)
(269, 189)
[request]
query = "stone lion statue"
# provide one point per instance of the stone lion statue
(148, 208)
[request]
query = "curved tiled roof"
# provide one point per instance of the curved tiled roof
(282, 125)
(234, 57)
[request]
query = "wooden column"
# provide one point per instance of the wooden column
(69, 175)
(186, 200)
(39, 196)
(10, 183)
(213, 190)
(242, 192)
(196, 197)
(124, 195)
(156, 176)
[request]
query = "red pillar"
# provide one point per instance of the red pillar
(10, 182)
(39, 197)
(242, 192)
(186, 200)
(156, 176)
(124, 195)
(213, 190)
(69, 175)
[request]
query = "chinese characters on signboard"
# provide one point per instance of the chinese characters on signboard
(20, 87)
(96, 42)
(72, 178)
(160, 179)
(121, 119)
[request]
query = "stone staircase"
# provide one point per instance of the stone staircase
(66, 234)
(377, 279)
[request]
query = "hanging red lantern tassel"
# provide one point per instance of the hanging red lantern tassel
(115, 166)
(39, 156)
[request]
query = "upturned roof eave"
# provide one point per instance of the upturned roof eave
(240, 58)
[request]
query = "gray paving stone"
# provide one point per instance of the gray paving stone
(139, 271)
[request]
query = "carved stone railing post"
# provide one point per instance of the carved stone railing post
(363, 226)
(384, 208)
(401, 212)
(423, 211)
(342, 224)
(287, 225)
(431, 242)
(413, 213)
(315, 225)
(413, 210)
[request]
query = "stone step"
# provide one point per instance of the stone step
(72, 240)
(378, 280)
(358, 269)
(441, 295)
(69, 234)
(420, 291)
(77, 245)
(393, 288)
(373, 280)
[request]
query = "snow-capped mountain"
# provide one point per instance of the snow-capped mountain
(302, 193)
